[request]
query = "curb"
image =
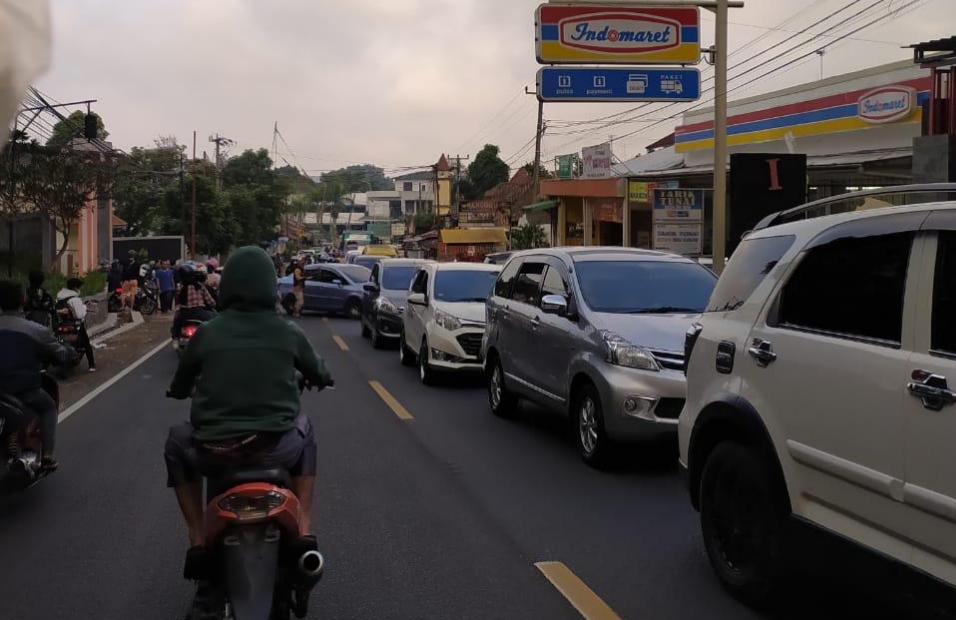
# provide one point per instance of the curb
(137, 321)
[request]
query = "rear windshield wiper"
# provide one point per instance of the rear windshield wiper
(665, 310)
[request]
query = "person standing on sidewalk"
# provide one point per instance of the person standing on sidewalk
(70, 297)
(167, 287)
(298, 287)
(130, 280)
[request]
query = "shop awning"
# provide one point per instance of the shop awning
(473, 236)
(541, 206)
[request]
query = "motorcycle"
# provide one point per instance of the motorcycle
(147, 298)
(68, 334)
(186, 334)
(261, 567)
(21, 442)
(115, 302)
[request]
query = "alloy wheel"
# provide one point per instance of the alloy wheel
(587, 425)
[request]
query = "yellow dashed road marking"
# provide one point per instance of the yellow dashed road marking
(588, 604)
(390, 400)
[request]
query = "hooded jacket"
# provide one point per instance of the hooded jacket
(72, 301)
(243, 362)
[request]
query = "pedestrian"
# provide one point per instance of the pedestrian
(167, 288)
(76, 309)
(298, 288)
(39, 304)
(130, 280)
(114, 277)
(212, 274)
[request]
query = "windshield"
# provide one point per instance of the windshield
(645, 287)
(463, 286)
(398, 278)
(355, 273)
(367, 261)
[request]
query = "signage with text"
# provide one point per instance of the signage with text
(618, 84)
(615, 34)
(887, 104)
(679, 205)
(684, 239)
(597, 161)
(642, 191)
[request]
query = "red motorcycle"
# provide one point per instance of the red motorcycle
(261, 566)
(21, 443)
(186, 334)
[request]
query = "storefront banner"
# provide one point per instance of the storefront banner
(607, 211)
(478, 213)
(398, 229)
(684, 239)
(678, 205)
(641, 191)
(565, 165)
(597, 161)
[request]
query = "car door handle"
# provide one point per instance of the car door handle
(762, 351)
(931, 389)
(535, 323)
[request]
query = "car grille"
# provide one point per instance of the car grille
(471, 343)
(669, 408)
(671, 360)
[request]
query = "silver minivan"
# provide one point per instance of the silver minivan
(596, 334)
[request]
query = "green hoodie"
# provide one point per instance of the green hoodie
(243, 362)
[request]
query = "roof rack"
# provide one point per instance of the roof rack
(824, 206)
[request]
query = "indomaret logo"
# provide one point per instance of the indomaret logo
(623, 33)
(887, 104)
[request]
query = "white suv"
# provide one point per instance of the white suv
(817, 398)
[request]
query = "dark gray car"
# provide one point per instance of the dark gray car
(596, 334)
(383, 302)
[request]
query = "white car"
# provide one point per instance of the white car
(818, 405)
(444, 318)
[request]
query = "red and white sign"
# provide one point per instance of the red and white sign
(620, 32)
(886, 104)
(597, 161)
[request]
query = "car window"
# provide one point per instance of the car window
(751, 262)
(355, 273)
(527, 287)
(852, 286)
(460, 285)
(644, 286)
(507, 278)
(944, 295)
(367, 261)
(397, 278)
(553, 283)
(327, 276)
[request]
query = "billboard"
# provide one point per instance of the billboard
(618, 84)
(564, 164)
(597, 161)
(613, 34)
(643, 192)
(679, 221)
(479, 213)
(761, 184)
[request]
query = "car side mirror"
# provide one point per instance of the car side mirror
(418, 299)
(554, 304)
(338, 282)
(371, 287)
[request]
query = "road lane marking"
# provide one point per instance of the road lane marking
(112, 381)
(391, 401)
(583, 598)
(338, 340)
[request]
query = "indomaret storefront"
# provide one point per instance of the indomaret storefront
(856, 130)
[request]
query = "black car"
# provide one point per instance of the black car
(384, 300)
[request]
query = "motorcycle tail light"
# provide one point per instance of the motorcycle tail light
(189, 331)
(251, 507)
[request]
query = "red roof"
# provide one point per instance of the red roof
(443, 164)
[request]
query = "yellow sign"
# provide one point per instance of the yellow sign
(637, 191)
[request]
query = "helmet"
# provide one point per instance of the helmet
(186, 273)
(212, 264)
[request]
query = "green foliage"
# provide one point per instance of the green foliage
(256, 195)
(487, 170)
(142, 180)
(544, 172)
(424, 222)
(528, 237)
(360, 178)
(65, 131)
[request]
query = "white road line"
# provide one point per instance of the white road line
(86, 399)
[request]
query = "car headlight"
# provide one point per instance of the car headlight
(387, 306)
(447, 321)
(623, 353)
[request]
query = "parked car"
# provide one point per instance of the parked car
(383, 299)
(818, 400)
(596, 334)
(498, 258)
(331, 288)
(445, 318)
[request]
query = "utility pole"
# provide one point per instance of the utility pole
(222, 141)
(720, 136)
(537, 143)
(458, 181)
(192, 237)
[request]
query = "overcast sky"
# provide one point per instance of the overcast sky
(392, 82)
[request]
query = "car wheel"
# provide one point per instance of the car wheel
(353, 309)
(503, 403)
(405, 355)
(592, 440)
(376, 338)
(365, 330)
(742, 521)
(425, 372)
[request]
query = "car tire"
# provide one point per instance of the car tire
(425, 372)
(376, 338)
(503, 403)
(365, 330)
(405, 355)
(593, 444)
(742, 521)
(353, 309)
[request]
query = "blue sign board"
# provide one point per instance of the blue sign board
(618, 84)
(678, 205)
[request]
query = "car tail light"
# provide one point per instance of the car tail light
(65, 329)
(251, 507)
(690, 339)
(190, 330)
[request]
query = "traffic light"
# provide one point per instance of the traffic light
(90, 126)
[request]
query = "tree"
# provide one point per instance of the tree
(528, 237)
(487, 170)
(362, 177)
(424, 222)
(544, 173)
(255, 194)
(142, 180)
(216, 228)
(65, 131)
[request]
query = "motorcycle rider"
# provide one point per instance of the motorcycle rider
(193, 300)
(39, 305)
(27, 347)
(68, 300)
(240, 369)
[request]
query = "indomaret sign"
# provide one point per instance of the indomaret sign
(610, 34)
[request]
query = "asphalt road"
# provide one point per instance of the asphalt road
(442, 516)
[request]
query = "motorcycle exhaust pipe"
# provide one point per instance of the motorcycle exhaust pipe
(311, 564)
